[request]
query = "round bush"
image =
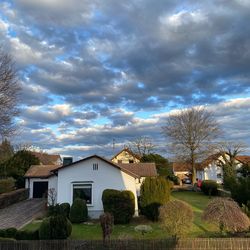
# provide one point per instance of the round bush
(176, 217)
(55, 227)
(209, 187)
(78, 211)
(121, 204)
(65, 209)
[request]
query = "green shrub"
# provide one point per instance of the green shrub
(121, 204)
(55, 227)
(241, 191)
(2, 233)
(45, 229)
(151, 211)
(78, 211)
(156, 191)
(60, 227)
(209, 187)
(10, 232)
(7, 185)
(65, 209)
(27, 235)
(54, 210)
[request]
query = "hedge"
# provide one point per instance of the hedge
(10, 198)
(209, 187)
(13, 233)
(121, 204)
(7, 185)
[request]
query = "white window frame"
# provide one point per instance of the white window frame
(83, 183)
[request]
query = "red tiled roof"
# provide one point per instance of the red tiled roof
(184, 166)
(243, 158)
(40, 171)
(140, 169)
(47, 159)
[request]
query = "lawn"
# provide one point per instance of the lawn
(198, 201)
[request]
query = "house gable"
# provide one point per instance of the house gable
(125, 156)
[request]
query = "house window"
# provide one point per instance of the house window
(131, 161)
(219, 176)
(83, 191)
(95, 166)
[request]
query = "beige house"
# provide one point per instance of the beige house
(126, 156)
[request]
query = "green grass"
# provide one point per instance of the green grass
(198, 201)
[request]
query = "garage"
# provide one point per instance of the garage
(40, 189)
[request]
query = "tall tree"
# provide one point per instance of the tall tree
(142, 145)
(191, 133)
(9, 89)
(6, 150)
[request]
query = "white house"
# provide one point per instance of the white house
(126, 156)
(87, 179)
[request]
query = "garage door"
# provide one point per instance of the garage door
(40, 189)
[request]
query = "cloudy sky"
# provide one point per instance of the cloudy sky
(94, 71)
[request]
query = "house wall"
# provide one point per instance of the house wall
(124, 157)
(215, 172)
(29, 184)
(106, 177)
(52, 184)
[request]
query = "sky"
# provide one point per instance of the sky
(95, 72)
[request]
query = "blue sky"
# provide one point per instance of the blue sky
(92, 71)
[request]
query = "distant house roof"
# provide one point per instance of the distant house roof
(129, 152)
(243, 159)
(184, 166)
(210, 159)
(47, 159)
(140, 169)
(40, 171)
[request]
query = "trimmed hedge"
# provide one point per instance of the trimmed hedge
(155, 191)
(13, 233)
(10, 198)
(65, 209)
(209, 187)
(78, 211)
(55, 227)
(7, 185)
(121, 204)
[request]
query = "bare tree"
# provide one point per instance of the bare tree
(142, 145)
(191, 133)
(227, 214)
(9, 89)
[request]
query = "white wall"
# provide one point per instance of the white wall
(106, 177)
(29, 184)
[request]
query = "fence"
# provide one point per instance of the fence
(184, 244)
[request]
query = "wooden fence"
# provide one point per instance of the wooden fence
(184, 244)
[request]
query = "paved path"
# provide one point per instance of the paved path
(21, 213)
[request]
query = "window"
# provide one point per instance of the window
(83, 191)
(131, 161)
(95, 166)
(219, 176)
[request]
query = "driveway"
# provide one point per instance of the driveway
(21, 213)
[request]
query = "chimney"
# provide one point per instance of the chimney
(67, 160)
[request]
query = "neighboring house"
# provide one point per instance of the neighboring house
(184, 169)
(87, 179)
(48, 159)
(126, 156)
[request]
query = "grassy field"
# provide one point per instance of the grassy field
(198, 202)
